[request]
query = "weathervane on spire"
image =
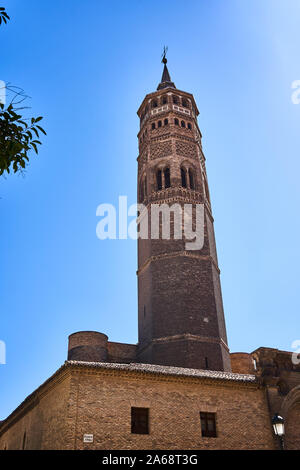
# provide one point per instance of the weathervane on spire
(164, 59)
(166, 81)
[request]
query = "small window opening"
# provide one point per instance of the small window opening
(167, 178)
(140, 420)
(191, 176)
(183, 178)
(159, 180)
(208, 424)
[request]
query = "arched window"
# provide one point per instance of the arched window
(182, 124)
(153, 125)
(175, 99)
(154, 104)
(145, 186)
(159, 180)
(164, 100)
(189, 126)
(184, 103)
(167, 178)
(176, 122)
(183, 178)
(166, 122)
(191, 178)
(159, 123)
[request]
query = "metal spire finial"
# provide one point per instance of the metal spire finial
(165, 79)
(164, 58)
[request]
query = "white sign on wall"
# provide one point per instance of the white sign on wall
(88, 438)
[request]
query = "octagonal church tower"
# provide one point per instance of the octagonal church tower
(180, 308)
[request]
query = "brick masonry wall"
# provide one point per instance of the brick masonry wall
(242, 363)
(180, 293)
(84, 400)
(121, 352)
(44, 420)
(105, 401)
(292, 437)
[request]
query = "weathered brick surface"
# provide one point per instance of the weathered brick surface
(106, 401)
(91, 398)
(93, 346)
(186, 149)
(99, 403)
(242, 363)
(121, 352)
(87, 346)
(292, 437)
(42, 419)
(162, 149)
(179, 291)
(277, 371)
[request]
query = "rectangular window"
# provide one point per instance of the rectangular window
(140, 420)
(208, 424)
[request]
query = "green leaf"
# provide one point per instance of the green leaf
(42, 130)
(35, 147)
(36, 132)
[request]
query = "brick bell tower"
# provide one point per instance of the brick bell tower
(180, 308)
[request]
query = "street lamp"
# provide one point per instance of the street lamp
(278, 426)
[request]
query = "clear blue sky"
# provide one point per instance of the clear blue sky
(87, 66)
